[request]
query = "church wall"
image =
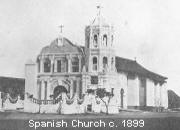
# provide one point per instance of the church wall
(157, 95)
(133, 92)
(52, 83)
(30, 79)
(164, 96)
(121, 84)
(30, 85)
(150, 95)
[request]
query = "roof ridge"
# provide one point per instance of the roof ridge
(12, 77)
(125, 58)
(124, 64)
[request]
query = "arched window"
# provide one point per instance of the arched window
(105, 62)
(47, 65)
(59, 66)
(75, 64)
(95, 40)
(105, 39)
(94, 63)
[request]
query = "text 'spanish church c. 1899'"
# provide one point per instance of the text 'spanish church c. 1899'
(65, 77)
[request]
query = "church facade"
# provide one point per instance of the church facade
(65, 77)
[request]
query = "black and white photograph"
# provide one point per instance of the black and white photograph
(89, 64)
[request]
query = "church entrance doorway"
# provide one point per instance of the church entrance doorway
(59, 90)
(122, 95)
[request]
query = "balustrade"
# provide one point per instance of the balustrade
(45, 102)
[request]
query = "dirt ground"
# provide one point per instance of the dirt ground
(15, 120)
(123, 114)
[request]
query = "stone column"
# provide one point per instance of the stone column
(160, 89)
(55, 65)
(39, 90)
(48, 90)
(78, 87)
(71, 88)
(45, 91)
(52, 64)
(69, 63)
(84, 84)
(155, 95)
(79, 57)
(42, 90)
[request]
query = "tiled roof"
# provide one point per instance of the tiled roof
(131, 66)
(66, 47)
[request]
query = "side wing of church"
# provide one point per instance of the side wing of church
(65, 77)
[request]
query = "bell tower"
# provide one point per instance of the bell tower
(99, 48)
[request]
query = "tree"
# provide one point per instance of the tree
(102, 93)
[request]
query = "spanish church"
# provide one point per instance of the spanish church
(65, 77)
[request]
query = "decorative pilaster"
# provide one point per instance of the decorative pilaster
(48, 90)
(160, 95)
(71, 89)
(52, 64)
(45, 91)
(84, 84)
(55, 65)
(79, 57)
(79, 87)
(69, 63)
(39, 89)
(42, 90)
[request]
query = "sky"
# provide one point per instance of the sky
(148, 30)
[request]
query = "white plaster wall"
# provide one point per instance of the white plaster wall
(133, 92)
(30, 79)
(30, 84)
(121, 83)
(13, 106)
(113, 107)
(157, 99)
(31, 107)
(150, 96)
(49, 108)
(164, 96)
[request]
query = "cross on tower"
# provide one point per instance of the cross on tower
(61, 28)
(99, 7)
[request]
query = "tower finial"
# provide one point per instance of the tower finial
(60, 39)
(61, 28)
(99, 7)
